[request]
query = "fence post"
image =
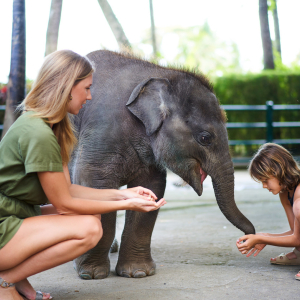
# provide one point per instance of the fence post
(269, 119)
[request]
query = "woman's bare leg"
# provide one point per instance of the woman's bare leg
(24, 286)
(44, 242)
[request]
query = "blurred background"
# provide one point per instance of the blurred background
(248, 49)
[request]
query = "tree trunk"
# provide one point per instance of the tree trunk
(16, 84)
(153, 29)
(276, 27)
(53, 26)
(265, 35)
(114, 25)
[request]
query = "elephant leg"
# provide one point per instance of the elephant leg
(114, 247)
(135, 255)
(95, 263)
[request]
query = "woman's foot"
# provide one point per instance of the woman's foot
(25, 289)
(297, 276)
(9, 293)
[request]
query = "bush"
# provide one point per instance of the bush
(282, 87)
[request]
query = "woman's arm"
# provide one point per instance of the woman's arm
(57, 191)
(78, 191)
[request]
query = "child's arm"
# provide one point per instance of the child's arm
(288, 210)
(292, 240)
(251, 240)
(279, 234)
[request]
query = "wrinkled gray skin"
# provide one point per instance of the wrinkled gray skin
(142, 119)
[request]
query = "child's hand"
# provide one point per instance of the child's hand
(258, 247)
(246, 243)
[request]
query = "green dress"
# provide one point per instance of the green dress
(28, 147)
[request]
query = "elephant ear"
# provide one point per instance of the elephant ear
(148, 102)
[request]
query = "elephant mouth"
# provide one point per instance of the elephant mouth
(197, 179)
(194, 176)
(203, 175)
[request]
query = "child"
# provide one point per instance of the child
(278, 172)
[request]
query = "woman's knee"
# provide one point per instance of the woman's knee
(92, 228)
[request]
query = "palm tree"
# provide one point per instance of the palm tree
(53, 26)
(153, 29)
(16, 83)
(265, 35)
(114, 24)
(276, 27)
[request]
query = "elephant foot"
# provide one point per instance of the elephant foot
(89, 271)
(136, 270)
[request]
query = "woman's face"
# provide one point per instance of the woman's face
(80, 94)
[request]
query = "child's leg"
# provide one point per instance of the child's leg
(296, 211)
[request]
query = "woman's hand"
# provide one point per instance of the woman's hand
(142, 205)
(138, 192)
(246, 243)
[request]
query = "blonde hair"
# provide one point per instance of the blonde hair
(50, 94)
(272, 160)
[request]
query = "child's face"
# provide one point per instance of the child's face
(272, 184)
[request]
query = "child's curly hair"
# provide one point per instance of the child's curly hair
(272, 160)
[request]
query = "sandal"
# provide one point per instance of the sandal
(39, 296)
(297, 277)
(5, 284)
(283, 260)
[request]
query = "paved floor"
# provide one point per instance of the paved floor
(195, 253)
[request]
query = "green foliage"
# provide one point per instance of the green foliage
(280, 66)
(271, 5)
(201, 49)
(28, 85)
(196, 47)
(282, 87)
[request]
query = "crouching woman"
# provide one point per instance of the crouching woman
(33, 170)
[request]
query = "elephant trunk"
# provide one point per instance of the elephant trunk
(223, 183)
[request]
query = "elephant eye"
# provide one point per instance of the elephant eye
(204, 138)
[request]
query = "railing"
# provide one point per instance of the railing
(269, 124)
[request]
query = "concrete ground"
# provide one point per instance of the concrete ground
(193, 246)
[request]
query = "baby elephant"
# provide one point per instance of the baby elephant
(144, 118)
